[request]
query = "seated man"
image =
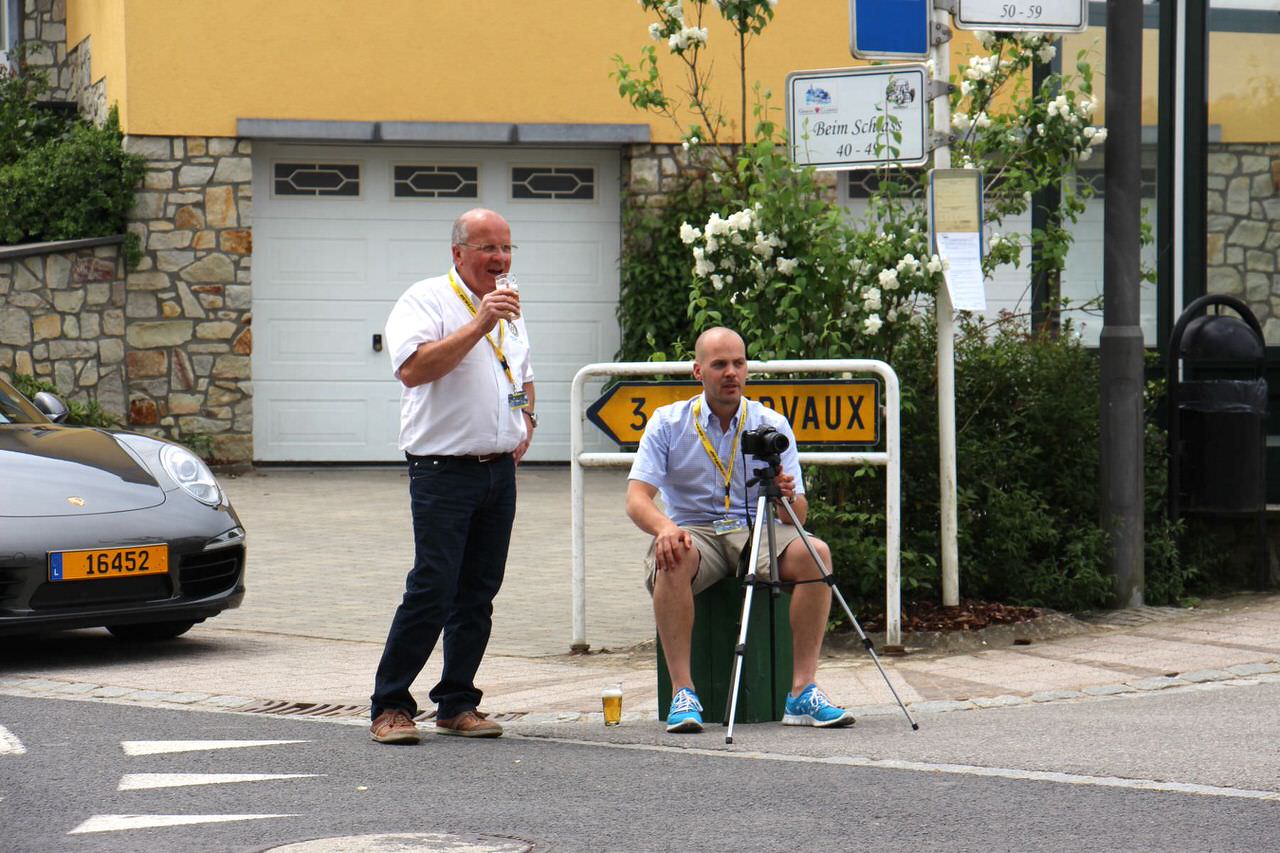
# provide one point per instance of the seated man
(690, 452)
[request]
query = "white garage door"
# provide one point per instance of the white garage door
(340, 232)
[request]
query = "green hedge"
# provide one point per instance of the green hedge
(60, 178)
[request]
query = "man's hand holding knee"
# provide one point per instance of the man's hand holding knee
(670, 547)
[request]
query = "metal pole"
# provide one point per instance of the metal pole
(578, 499)
(1121, 344)
(941, 55)
(893, 511)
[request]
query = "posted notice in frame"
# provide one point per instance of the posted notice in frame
(955, 220)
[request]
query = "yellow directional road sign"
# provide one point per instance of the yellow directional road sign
(820, 411)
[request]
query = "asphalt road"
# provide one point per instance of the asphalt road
(1177, 770)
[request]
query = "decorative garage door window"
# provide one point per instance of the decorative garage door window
(553, 183)
(317, 179)
(437, 181)
(862, 183)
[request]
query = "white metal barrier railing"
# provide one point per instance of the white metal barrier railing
(890, 458)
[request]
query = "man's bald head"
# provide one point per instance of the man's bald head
(715, 339)
(468, 222)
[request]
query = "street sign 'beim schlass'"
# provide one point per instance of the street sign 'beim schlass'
(820, 411)
(846, 118)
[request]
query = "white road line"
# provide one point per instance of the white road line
(9, 743)
(119, 822)
(955, 769)
(155, 747)
(144, 781)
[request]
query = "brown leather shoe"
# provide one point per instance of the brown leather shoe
(469, 724)
(394, 727)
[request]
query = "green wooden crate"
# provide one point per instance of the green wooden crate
(766, 667)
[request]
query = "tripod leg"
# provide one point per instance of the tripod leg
(741, 649)
(830, 580)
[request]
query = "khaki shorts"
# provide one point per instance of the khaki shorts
(718, 555)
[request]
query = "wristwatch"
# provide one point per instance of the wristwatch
(533, 419)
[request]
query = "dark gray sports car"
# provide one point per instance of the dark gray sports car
(108, 528)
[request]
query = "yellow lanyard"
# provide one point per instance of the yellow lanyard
(711, 451)
(502, 332)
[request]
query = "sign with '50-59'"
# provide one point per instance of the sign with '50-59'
(820, 411)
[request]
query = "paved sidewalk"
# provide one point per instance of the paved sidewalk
(329, 548)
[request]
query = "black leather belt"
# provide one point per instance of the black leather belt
(483, 459)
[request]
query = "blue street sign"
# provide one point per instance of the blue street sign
(890, 29)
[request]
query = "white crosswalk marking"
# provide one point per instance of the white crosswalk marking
(144, 781)
(118, 822)
(9, 743)
(156, 747)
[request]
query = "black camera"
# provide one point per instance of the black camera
(764, 441)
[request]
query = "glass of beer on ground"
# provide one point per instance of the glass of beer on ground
(611, 698)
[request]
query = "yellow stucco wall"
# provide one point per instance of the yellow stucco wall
(195, 67)
(181, 67)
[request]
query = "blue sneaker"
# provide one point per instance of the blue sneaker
(813, 708)
(686, 712)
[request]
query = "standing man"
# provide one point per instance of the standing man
(690, 452)
(461, 351)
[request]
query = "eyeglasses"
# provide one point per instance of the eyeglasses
(491, 249)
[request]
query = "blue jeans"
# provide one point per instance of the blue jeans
(462, 515)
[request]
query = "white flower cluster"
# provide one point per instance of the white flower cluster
(1095, 136)
(735, 244)
(686, 38)
(982, 68)
(871, 299)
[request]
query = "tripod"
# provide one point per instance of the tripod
(765, 521)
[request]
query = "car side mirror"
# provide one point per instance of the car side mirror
(52, 406)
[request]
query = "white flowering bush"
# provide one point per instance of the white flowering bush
(1029, 143)
(796, 280)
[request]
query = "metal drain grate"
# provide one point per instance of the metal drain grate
(283, 708)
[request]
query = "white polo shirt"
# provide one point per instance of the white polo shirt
(466, 411)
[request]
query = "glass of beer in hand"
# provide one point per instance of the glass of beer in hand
(611, 698)
(506, 281)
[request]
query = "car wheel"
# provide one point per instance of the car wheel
(150, 631)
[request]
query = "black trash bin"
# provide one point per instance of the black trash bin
(1222, 438)
(1217, 414)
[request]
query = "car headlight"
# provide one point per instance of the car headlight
(189, 471)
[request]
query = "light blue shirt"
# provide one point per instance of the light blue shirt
(672, 459)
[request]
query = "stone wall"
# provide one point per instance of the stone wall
(1244, 229)
(44, 30)
(187, 306)
(650, 172)
(62, 320)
